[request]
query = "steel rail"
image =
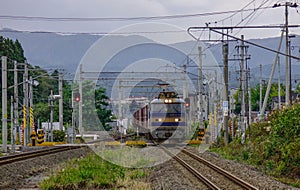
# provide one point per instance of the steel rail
(197, 174)
(232, 177)
(32, 154)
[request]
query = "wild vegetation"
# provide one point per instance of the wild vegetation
(93, 172)
(272, 145)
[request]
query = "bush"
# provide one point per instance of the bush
(59, 136)
(273, 146)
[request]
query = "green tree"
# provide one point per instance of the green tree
(95, 107)
(101, 102)
(298, 87)
(255, 95)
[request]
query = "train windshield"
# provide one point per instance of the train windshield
(166, 108)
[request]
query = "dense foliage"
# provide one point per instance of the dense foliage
(96, 112)
(59, 136)
(255, 95)
(273, 146)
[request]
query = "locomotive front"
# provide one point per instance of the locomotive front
(167, 117)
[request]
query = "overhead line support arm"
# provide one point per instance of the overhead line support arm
(215, 29)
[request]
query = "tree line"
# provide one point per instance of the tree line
(48, 81)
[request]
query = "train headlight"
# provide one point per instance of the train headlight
(160, 119)
(168, 101)
(177, 119)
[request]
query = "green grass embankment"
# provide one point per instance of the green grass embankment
(273, 146)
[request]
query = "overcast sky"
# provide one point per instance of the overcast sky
(144, 8)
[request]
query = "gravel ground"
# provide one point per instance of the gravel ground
(168, 175)
(28, 173)
(171, 175)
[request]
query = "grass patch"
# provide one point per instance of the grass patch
(128, 156)
(93, 172)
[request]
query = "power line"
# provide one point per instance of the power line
(103, 19)
(95, 33)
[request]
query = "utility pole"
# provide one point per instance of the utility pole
(60, 89)
(120, 110)
(287, 78)
(249, 99)
(13, 127)
(200, 82)
(73, 119)
(185, 94)
(225, 62)
(271, 77)
(31, 121)
(51, 100)
(260, 88)
(25, 104)
(80, 102)
(215, 101)
(4, 103)
(243, 83)
(287, 53)
(279, 96)
(16, 99)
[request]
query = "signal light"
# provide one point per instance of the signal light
(187, 102)
(77, 97)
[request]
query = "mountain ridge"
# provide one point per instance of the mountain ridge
(52, 50)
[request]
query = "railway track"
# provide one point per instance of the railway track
(211, 175)
(33, 154)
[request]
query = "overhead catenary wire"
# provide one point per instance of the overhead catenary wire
(143, 18)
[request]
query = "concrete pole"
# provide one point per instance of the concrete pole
(216, 102)
(260, 88)
(51, 115)
(73, 119)
(120, 106)
(80, 102)
(31, 128)
(13, 127)
(225, 62)
(4, 103)
(16, 98)
(279, 97)
(185, 95)
(25, 103)
(184, 83)
(270, 79)
(287, 78)
(200, 82)
(249, 99)
(60, 91)
(243, 105)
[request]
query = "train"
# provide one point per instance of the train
(163, 118)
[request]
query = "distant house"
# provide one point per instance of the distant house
(275, 103)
